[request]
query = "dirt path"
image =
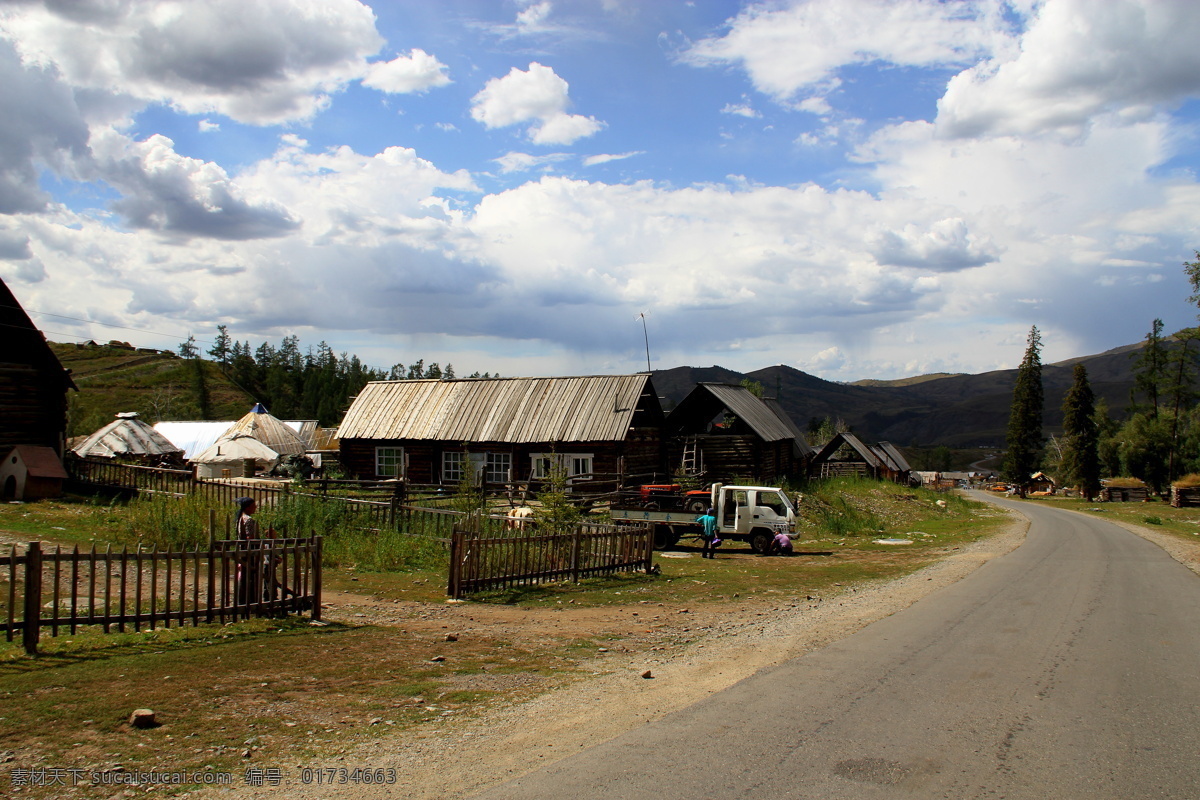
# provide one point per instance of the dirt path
(690, 653)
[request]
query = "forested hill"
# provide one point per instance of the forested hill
(951, 410)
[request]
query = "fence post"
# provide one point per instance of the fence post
(575, 553)
(316, 557)
(649, 531)
(32, 624)
(456, 544)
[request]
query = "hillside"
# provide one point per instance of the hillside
(156, 385)
(951, 410)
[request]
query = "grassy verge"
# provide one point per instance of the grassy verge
(1156, 514)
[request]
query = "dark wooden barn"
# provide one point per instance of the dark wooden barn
(724, 433)
(846, 454)
(33, 383)
(602, 431)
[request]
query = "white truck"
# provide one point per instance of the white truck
(752, 514)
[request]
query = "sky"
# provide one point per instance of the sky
(854, 188)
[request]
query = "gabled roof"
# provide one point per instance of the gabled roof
(708, 399)
(868, 455)
(896, 459)
(803, 448)
(597, 408)
(25, 344)
(40, 462)
(126, 436)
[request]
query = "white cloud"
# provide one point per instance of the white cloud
(523, 162)
(537, 95)
(798, 48)
(604, 158)
(1078, 60)
(742, 110)
(262, 62)
(946, 245)
(207, 126)
(531, 18)
(416, 72)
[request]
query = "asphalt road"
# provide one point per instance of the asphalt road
(1065, 669)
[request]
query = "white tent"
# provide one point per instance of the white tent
(128, 437)
(230, 453)
(272, 432)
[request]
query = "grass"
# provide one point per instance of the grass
(1184, 522)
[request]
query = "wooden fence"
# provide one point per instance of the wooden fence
(230, 581)
(479, 562)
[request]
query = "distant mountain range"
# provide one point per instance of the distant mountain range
(929, 410)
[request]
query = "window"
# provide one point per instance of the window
(452, 467)
(389, 462)
(498, 468)
(574, 464)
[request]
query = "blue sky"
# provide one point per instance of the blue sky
(856, 188)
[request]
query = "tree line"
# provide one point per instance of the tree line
(295, 383)
(1158, 439)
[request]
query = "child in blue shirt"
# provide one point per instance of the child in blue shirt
(709, 534)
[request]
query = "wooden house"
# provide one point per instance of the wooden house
(33, 383)
(1124, 490)
(724, 433)
(1041, 483)
(846, 454)
(31, 472)
(497, 432)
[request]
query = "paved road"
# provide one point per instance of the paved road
(1069, 668)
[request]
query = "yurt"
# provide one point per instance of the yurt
(227, 457)
(272, 432)
(130, 439)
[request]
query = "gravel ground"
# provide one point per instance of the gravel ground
(466, 755)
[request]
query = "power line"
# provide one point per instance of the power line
(104, 324)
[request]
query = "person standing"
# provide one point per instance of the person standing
(709, 534)
(253, 571)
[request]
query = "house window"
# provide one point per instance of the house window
(498, 468)
(452, 467)
(389, 462)
(574, 465)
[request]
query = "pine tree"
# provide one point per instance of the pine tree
(1150, 369)
(222, 349)
(1024, 438)
(1081, 458)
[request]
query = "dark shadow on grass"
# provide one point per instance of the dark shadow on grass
(514, 595)
(99, 650)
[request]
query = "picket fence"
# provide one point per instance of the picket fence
(64, 591)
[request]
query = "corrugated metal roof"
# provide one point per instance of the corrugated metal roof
(595, 408)
(803, 448)
(126, 436)
(274, 433)
(896, 456)
(744, 405)
(196, 437)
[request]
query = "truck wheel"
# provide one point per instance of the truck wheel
(664, 537)
(696, 506)
(760, 540)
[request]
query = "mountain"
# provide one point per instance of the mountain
(944, 409)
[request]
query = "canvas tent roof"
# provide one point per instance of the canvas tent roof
(272, 432)
(595, 408)
(126, 436)
(196, 437)
(235, 449)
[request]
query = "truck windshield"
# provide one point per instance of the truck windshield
(776, 501)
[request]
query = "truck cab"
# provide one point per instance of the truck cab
(753, 513)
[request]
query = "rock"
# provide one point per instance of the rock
(142, 718)
(438, 658)
(450, 637)
(647, 674)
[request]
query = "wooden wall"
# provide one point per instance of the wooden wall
(33, 406)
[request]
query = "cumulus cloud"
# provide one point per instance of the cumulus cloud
(799, 47)
(946, 246)
(523, 162)
(41, 124)
(263, 62)
(180, 196)
(604, 158)
(537, 95)
(741, 110)
(416, 72)
(1079, 59)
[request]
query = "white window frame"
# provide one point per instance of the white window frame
(498, 468)
(393, 456)
(454, 466)
(575, 464)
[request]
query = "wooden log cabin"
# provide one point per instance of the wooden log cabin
(33, 383)
(602, 431)
(724, 433)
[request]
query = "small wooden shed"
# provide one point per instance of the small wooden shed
(1124, 490)
(31, 472)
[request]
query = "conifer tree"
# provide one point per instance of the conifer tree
(1081, 458)
(1024, 438)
